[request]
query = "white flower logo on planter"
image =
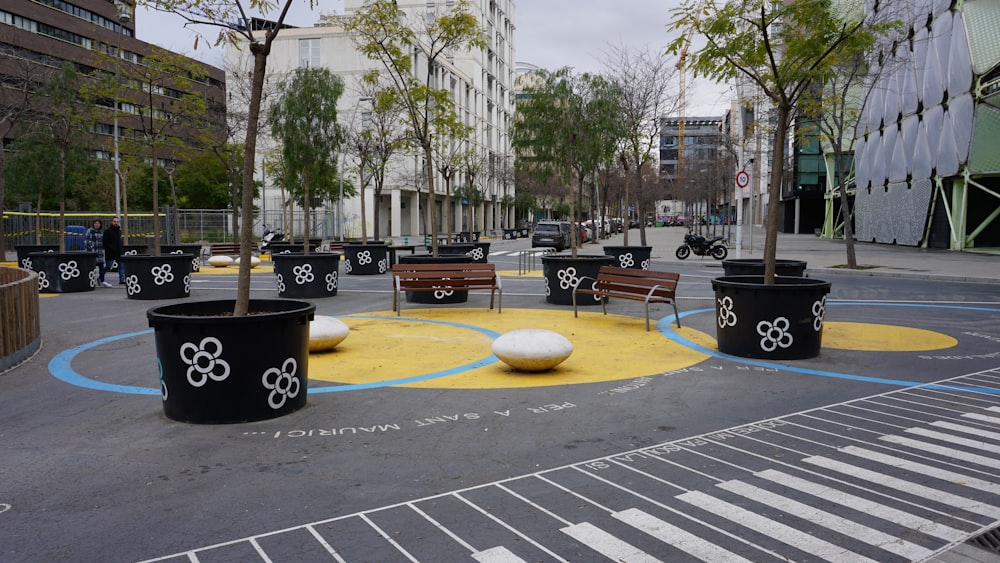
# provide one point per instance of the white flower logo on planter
(726, 315)
(281, 284)
(303, 274)
(26, 263)
(626, 260)
(347, 266)
(163, 384)
(132, 284)
(131, 253)
(94, 274)
(43, 281)
(442, 293)
(187, 283)
(69, 270)
(203, 361)
(645, 264)
(331, 281)
(364, 257)
(383, 266)
(477, 253)
(162, 274)
(819, 310)
(775, 334)
(282, 383)
(567, 278)
(548, 291)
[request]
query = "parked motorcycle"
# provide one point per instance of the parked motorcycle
(270, 236)
(701, 246)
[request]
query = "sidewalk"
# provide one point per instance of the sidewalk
(822, 254)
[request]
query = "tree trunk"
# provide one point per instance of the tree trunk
(62, 198)
(845, 210)
(249, 150)
(431, 214)
(364, 221)
(306, 206)
(156, 201)
(774, 191)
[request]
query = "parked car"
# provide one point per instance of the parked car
(554, 234)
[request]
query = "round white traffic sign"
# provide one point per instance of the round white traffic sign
(742, 179)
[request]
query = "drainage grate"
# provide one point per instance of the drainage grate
(990, 541)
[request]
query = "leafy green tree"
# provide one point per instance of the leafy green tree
(203, 182)
(234, 22)
(304, 120)
(383, 33)
(784, 48)
(567, 126)
(64, 127)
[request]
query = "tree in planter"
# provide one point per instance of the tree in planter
(233, 20)
(68, 119)
(383, 33)
(784, 48)
(304, 120)
(643, 80)
(377, 142)
(567, 126)
(473, 164)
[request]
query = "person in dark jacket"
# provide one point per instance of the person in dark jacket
(94, 238)
(113, 247)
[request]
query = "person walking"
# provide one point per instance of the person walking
(113, 248)
(94, 238)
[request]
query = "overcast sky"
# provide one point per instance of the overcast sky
(549, 33)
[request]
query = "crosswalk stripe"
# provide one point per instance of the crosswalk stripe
(982, 417)
(967, 429)
(905, 486)
(942, 450)
(606, 544)
(781, 532)
(677, 537)
(840, 524)
(497, 554)
(860, 504)
(958, 440)
(924, 469)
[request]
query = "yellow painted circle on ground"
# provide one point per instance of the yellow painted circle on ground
(605, 348)
(883, 338)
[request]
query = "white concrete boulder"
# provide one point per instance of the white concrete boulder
(220, 261)
(254, 262)
(325, 333)
(532, 349)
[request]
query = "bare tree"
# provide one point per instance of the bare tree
(643, 81)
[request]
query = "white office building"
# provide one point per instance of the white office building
(481, 83)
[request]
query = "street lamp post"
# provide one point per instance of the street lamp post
(124, 16)
(343, 159)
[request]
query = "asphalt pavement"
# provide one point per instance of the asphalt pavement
(642, 446)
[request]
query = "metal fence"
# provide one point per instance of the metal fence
(177, 226)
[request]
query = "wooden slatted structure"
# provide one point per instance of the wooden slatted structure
(20, 328)
(648, 286)
(437, 277)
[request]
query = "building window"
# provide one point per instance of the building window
(309, 53)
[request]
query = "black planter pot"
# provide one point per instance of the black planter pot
(193, 249)
(366, 259)
(480, 252)
(65, 272)
(783, 321)
(636, 257)
(127, 250)
(524, 232)
(289, 247)
(755, 267)
(456, 249)
(509, 234)
(23, 250)
(157, 277)
(305, 277)
(436, 297)
(218, 369)
(563, 273)
(463, 236)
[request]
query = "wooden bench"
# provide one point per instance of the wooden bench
(437, 277)
(648, 286)
(230, 249)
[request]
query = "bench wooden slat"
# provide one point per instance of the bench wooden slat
(648, 286)
(437, 277)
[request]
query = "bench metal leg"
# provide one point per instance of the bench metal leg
(677, 316)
